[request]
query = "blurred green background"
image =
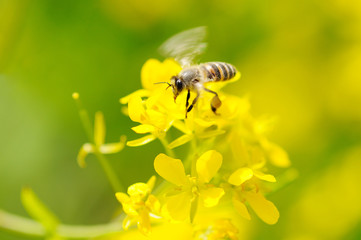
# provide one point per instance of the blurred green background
(300, 61)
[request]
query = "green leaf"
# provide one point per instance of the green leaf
(38, 211)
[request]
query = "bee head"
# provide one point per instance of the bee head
(177, 86)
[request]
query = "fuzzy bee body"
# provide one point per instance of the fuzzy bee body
(218, 71)
(193, 77)
(184, 47)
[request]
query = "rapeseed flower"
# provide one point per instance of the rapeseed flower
(154, 114)
(182, 202)
(249, 193)
(201, 182)
(157, 113)
(139, 205)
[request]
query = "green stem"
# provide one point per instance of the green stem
(25, 226)
(165, 144)
(112, 177)
(85, 119)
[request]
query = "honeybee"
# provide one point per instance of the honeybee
(184, 47)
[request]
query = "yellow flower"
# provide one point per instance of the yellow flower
(182, 202)
(99, 139)
(154, 71)
(249, 193)
(157, 113)
(243, 136)
(139, 205)
(220, 229)
(246, 187)
(153, 122)
(205, 124)
(254, 164)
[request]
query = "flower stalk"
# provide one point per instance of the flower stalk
(96, 138)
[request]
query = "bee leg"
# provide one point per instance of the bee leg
(188, 96)
(187, 101)
(216, 102)
(193, 103)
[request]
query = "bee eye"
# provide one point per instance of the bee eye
(179, 84)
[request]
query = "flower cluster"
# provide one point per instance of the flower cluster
(226, 165)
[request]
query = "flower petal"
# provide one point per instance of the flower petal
(109, 148)
(241, 208)
(143, 128)
(136, 109)
(83, 152)
(155, 71)
(240, 176)
(141, 141)
(158, 119)
(180, 141)
(170, 169)
(265, 177)
(211, 196)
(99, 129)
(126, 202)
(264, 209)
(123, 198)
(151, 182)
(140, 93)
(208, 165)
(178, 206)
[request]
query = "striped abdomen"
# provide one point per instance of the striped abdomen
(218, 71)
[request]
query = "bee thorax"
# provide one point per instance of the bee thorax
(189, 75)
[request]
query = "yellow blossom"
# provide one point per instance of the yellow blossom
(249, 193)
(153, 114)
(154, 71)
(243, 136)
(99, 141)
(139, 205)
(152, 122)
(182, 202)
(246, 190)
(157, 113)
(255, 163)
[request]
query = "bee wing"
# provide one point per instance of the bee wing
(185, 46)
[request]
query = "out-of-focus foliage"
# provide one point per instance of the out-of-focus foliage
(299, 60)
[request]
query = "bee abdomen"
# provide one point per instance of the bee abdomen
(219, 71)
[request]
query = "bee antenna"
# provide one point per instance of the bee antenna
(163, 82)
